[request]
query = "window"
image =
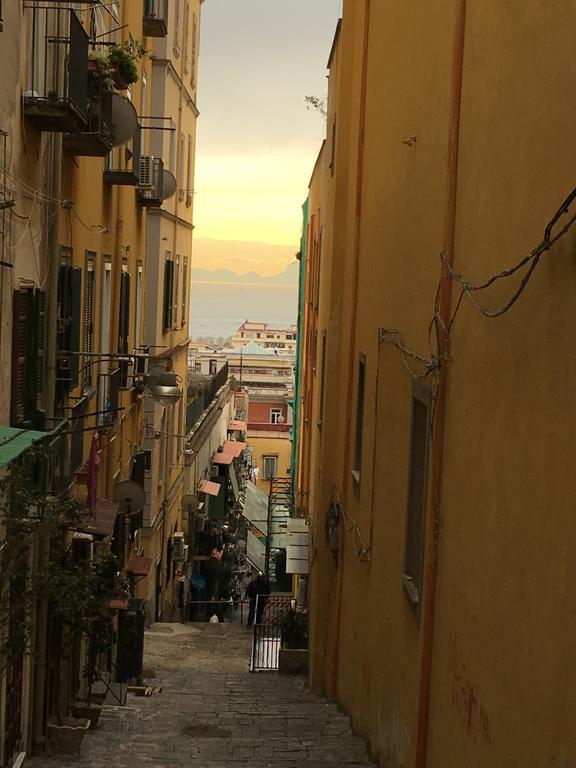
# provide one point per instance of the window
(69, 300)
(212, 367)
(104, 345)
(176, 293)
(269, 464)
(417, 483)
(88, 323)
(178, 4)
(28, 327)
(194, 50)
(172, 148)
(333, 148)
(124, 323)
(138, 320)
(189, 174)
(168, 293)
(276, 416)
(184, 289)
(181, 161)
(185, 43)
(359, 418)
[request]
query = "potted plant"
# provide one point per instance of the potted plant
(293, 657)
(123, 59)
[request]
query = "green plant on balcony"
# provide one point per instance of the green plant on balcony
(123, 60)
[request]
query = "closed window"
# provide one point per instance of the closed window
(28, 329)
(168, 293)
(184, 289)
(88, 323)
(124, 324)
(269, 465)
(276, 416)
(416, 508)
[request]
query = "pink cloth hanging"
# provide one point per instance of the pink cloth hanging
(92, 471)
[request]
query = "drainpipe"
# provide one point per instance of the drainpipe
(352, 336)
(445, 305)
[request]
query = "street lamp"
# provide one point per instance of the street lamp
(163, 386)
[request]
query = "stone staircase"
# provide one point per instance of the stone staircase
(220, 719)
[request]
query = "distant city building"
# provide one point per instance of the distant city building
(268, 336)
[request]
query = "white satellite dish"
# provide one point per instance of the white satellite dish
(190, 502)
(124, 119)
(130, 495)
(168, 184)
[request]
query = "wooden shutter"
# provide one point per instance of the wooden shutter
(124, 326)
(20, 318)
(88, 324)
(40, 301)
(69, 306)
(168, 288)
(184, 288)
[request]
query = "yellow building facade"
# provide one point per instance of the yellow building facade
(439, 486)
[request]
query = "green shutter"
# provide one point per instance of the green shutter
(168, 289)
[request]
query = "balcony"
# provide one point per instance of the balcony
(123, 163)
(57, 96)
(266, 426)
(112, 122)
(201, 395)
(156, 184)
(155, 18)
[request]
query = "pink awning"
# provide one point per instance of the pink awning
(212, 489)
(234, 448)
(101, 520)
(138, 565)
(222, 458)
(237, 426)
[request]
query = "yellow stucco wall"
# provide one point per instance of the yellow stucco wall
(276, 444)
(501, 661)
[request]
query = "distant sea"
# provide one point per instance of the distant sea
(218, 309)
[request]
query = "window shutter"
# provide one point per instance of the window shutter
(124, 326)
(88, 324)
(40, 297)
(167, 309)
(20, 319)
(184, 288)
(69, 305)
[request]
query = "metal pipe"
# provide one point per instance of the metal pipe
(445, 305)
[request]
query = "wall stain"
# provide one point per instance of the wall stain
(471, 712)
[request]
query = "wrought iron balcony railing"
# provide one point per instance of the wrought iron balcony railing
(56, 98)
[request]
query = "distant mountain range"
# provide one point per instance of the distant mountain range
(288, 277)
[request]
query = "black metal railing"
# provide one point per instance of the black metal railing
(57, 95)
(201, 399)
(123, 163)
(267, 632)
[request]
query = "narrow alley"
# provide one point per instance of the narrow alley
(212, 712)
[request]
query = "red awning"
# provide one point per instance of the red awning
(99, 522)
(222, 458)
(234, 448)
(237, 426)
(212, 489)
(139, 565)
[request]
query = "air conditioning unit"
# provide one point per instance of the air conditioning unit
(178, 547)
(151, 183)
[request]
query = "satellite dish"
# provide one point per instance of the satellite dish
(190, 502)
(168, 184)
(124, 119)
(130, 495)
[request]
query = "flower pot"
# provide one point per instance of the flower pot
(118, 77)
(97, 697)
(84, 710)
(66, 738)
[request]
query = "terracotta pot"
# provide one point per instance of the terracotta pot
(67, 738)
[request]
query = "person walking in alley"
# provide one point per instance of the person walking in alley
(257, 591)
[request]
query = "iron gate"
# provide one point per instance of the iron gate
(267, 636)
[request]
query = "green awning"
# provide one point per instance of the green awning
(13, 443)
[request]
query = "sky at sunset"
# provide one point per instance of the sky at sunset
(257, 142)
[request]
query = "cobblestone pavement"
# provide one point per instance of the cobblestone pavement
(213, 713)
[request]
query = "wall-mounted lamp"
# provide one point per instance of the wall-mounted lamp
(163, 386)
